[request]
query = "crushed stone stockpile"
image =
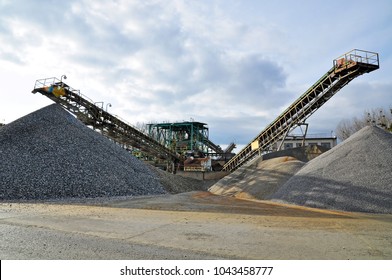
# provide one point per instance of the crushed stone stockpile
(175, 184)
(49, 154)
(354, 176)
(259, 179)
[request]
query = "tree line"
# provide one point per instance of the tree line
(377, 117)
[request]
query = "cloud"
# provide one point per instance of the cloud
(235, 66)
(352, 101)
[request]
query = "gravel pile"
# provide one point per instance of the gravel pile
(354, 176)
(49, 154)
(258, 179)
(175, 184)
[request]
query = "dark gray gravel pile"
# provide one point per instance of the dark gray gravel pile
(177, 184)
(354, 176)
(49, 154)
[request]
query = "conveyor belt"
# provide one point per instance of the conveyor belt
(92, 115)
(345, 69)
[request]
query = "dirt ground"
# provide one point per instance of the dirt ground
(194, 225)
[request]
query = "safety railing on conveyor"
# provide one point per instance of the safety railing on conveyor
(345, 68)
(90, 114)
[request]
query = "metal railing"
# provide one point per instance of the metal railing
(91, 114)
(346, 68)
(357, 56)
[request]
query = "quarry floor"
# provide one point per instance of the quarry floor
(195, 225)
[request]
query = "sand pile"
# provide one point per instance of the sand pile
(356, 175)
(50, 154)
(258, 179)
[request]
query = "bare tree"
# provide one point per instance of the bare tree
(379, 117)
(142, 127)
(344, 129)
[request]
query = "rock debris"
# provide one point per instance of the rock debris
(356, 175)
(49, 154)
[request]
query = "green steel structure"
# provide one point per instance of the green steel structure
(345, 68)
(182, 137)
(169, 141)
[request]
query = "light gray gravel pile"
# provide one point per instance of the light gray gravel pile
(257, 179)
(354, 176)
(49, 154)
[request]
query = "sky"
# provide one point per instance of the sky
(235, 65)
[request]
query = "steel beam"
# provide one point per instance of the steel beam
(92, 115)
(345, 69)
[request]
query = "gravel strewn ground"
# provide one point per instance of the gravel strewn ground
(356, 175)
(49, 154)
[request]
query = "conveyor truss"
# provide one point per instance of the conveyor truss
(94, 115)
(345, 69)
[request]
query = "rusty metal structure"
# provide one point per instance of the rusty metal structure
(94, 115)
(345, 68)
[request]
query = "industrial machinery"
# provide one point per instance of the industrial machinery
(165, 141)
(345, 68)
(183, 136)
(93, 114)
(190, 139)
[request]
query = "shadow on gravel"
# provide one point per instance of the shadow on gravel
(254, 183)
(333, 194)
